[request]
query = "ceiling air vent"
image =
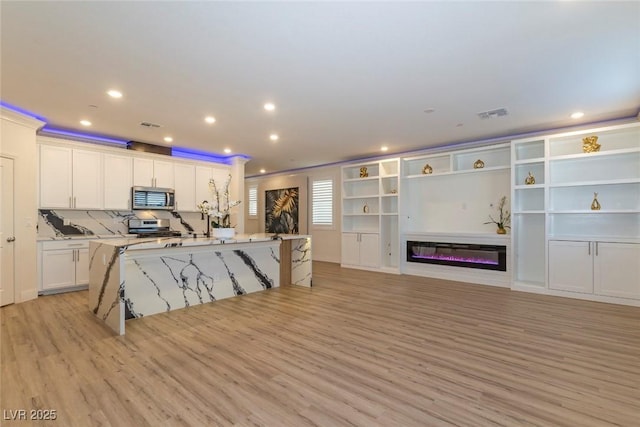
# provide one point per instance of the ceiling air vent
(149, 125)
(498, 112)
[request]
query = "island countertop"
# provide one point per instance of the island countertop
(136, 277)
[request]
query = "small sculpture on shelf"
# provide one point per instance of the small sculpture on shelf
(479, 164)
(363, 172)
(530, 180)
(427, 169)
(504, 218)
(394, 191)
(595, 205)
(590, 144)
(365, 208)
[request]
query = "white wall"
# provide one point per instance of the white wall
(325, 240)
(18, 141)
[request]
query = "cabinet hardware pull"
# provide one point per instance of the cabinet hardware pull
(74, 202)
(596, 248)
(589, 243)
(75, 244)
(70, 202)
(73, 255)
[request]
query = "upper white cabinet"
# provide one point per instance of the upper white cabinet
(118, 180)
(185, 186)
(70, 178)
(152, 173)
(370, 203)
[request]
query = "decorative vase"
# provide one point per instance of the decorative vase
(365, 208)
(427, 169)
(224, 233)
(595, 205)
(530, 180)
(479, 164)
(363, 172)
(501, 230)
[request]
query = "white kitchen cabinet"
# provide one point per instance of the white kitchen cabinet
(118, 180)
(64, 264)
(70, 178)
(185, 187)
(361, 250)
(203, 175)
(87, 179)
(55, 177)
(601, 268)
(152, 173)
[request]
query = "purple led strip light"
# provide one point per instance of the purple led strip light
(457, 259)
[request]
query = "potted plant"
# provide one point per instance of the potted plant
(504, 219)
(219, 211)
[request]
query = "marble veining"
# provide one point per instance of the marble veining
(301, 270)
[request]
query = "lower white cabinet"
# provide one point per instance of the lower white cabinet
(361, 250)
(63, 264)
(593, 267)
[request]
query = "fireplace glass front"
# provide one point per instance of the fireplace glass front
(485, 257)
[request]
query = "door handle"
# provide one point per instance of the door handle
(11, 239)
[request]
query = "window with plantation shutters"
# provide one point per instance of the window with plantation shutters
(322, 202)
(253, 201)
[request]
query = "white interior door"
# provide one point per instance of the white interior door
(7, 255)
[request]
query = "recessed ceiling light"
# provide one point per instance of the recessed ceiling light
(210, 119)
(85, 122)
(577, 115)
(262, 171)
(269, 106)
(429, 110)
(227, 150)
(273, 137)
(384, 148)
(114, 93)
(459, 125)
(168, 139)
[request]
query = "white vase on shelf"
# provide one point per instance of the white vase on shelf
(223, 233)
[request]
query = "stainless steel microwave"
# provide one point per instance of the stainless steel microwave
(153, 198)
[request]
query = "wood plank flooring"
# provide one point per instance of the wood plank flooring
(357, 349)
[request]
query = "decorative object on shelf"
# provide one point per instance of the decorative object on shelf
(479, 164)
(427, 169)
(394, 191)
(530, 180)
(504, 219)
(219, 212)
(365, 208)
(595, 205)
(590, 144)
(363, 172)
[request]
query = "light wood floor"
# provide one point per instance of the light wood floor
(359, 348)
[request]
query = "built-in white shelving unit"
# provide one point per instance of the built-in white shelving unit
(370, 215)
(563, 246)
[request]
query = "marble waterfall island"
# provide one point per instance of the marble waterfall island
(132, 278)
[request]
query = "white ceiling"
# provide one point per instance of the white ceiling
(347, 78)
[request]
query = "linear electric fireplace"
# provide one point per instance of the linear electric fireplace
(485, 257)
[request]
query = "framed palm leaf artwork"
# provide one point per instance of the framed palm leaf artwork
(281, 210)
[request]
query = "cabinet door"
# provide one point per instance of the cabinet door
(369, 250)
(203, 175)
(118, 180)
(55, 177)
(87, 179)
(571, 266)
(350, 249)
(142, 172)
(82, 267)
(185, 186)
(617, 269)
(58, 269)
(163, 174)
